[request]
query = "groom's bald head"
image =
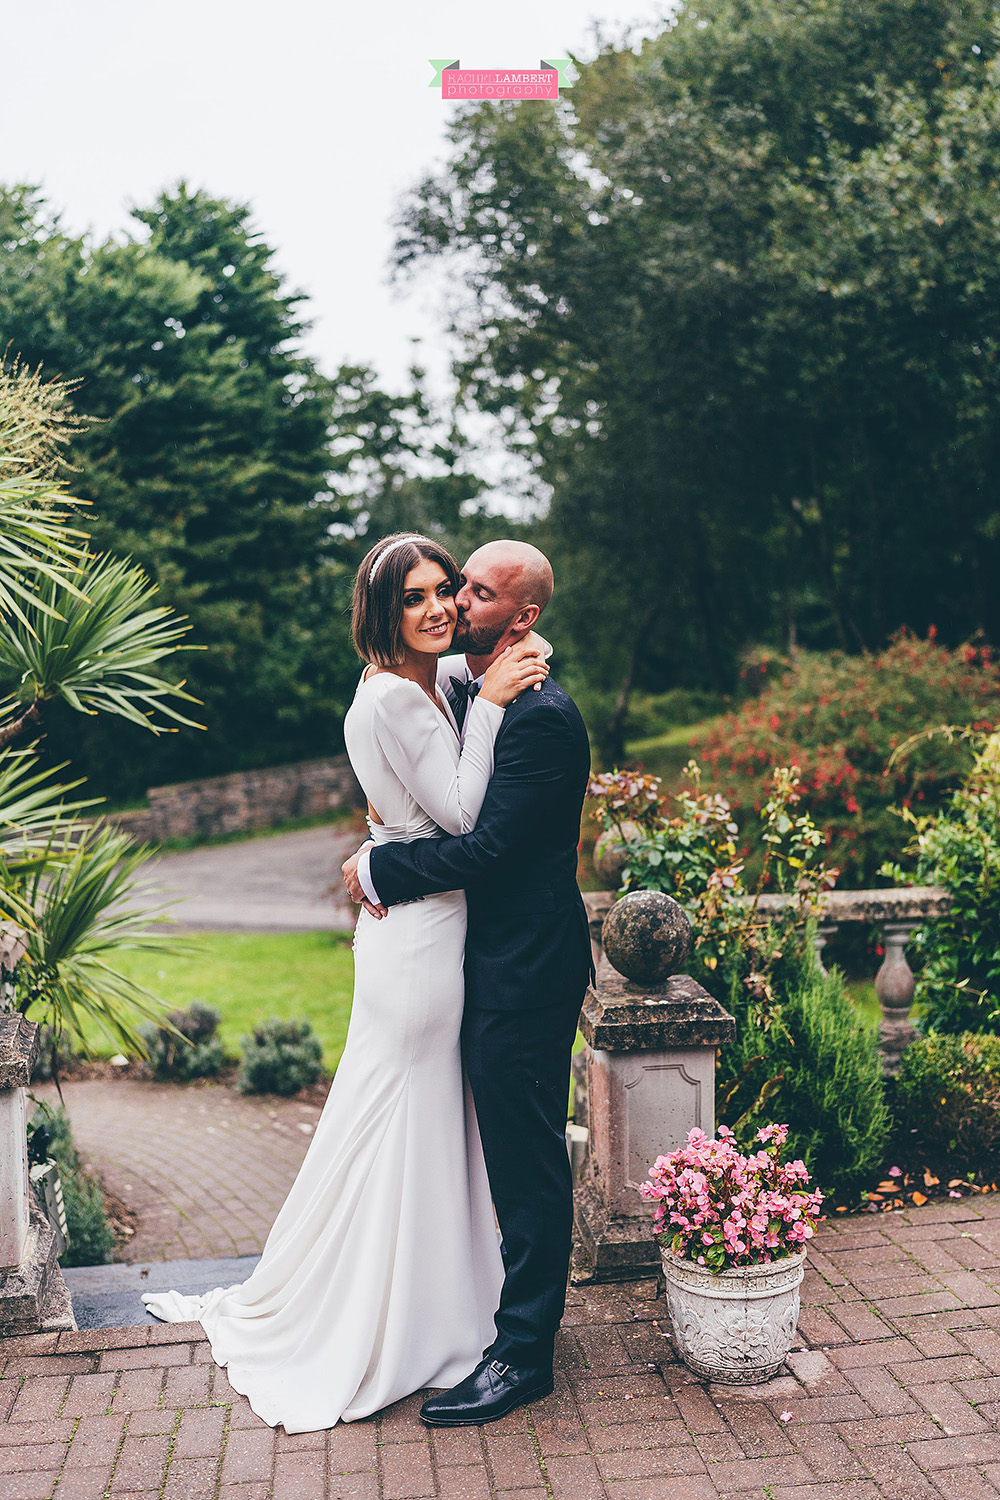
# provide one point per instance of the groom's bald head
(505, 587)
(516, 569)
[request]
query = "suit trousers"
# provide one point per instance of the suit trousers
(518, 1062)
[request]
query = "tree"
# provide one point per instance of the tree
(244, 481)
(736, 291)
(402, 462)
(207, 463)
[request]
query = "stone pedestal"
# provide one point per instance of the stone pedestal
(650, 1079)
(33, 1294)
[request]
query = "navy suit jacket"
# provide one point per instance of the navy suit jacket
(528, 942)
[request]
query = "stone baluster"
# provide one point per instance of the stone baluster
(651, 1036)
(33, 1294)
(895, 986)
(894, 982)
(823, 936)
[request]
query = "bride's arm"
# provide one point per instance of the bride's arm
(413, 736)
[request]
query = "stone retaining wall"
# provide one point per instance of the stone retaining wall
(243, 801)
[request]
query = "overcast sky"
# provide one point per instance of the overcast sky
(316, 113)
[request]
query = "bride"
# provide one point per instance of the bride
(382, 1271)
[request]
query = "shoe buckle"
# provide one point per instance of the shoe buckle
(500, 1369)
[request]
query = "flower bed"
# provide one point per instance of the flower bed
(839, 718)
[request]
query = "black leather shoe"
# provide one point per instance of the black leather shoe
(489, 1393)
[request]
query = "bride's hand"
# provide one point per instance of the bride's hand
(519, 668)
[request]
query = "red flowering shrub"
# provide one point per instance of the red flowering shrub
(839, 718)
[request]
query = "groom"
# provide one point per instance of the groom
(527, 963)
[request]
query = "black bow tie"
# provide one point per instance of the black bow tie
(463, 691)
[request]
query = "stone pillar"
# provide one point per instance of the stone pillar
(33, 1294)
(651, 1037)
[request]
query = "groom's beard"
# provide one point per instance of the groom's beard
(478, 642)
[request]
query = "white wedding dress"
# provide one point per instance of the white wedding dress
(382, 1271)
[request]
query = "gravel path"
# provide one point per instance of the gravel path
(287, 882)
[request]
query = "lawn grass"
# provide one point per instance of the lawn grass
(862, 992)
(667, 754)
(250, 976)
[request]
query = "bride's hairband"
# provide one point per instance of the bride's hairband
(399, 542)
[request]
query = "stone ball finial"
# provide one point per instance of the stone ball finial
(647, 936)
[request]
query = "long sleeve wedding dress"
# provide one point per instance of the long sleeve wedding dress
(382, 1271)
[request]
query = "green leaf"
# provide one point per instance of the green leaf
(95, 650)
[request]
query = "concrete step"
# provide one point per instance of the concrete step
(109, 1296)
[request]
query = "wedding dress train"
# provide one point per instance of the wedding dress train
(382, 1271)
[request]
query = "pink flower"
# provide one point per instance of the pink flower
(709, 1194)
(895, 1172)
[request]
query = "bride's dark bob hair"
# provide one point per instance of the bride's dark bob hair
(377, 608)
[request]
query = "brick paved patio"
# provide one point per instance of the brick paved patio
(893, 1391)
(205, 1168)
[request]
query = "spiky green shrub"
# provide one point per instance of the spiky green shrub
(87, 901)
(97, 646)
(958, 983)
(802, 1055)
(947, 1102)
(280, 1057)
(86, 631)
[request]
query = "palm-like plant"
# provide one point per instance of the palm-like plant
(95, 646)
(36, 422)
(84, 629)
(32, 807)
(34, 541)
(33, 810)
(87, 901)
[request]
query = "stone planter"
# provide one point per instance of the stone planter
(738, 1326)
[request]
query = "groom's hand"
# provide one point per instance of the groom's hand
(355, 890)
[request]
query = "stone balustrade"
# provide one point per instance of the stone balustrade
(898, 911)
(33, 1294)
